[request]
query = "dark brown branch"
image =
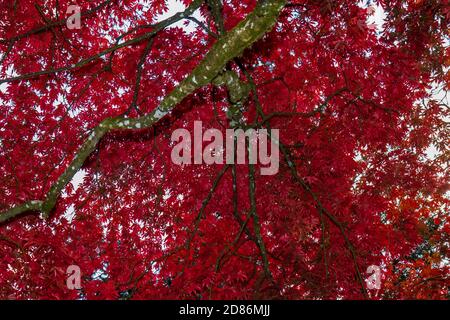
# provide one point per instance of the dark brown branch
(215, 7)
(205, 202)
(137, 84)
(156, 28)
(256, 223)
(304, 185)
(203, 26)
(330, 216)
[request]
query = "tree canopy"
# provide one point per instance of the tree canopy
(87, 115)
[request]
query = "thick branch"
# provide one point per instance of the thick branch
(229, 46)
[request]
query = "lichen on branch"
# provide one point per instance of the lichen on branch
(229, 46)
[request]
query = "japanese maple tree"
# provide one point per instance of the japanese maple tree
(87, 177)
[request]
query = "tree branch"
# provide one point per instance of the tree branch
(293, 170)
(156, 28)
(216, 10)
(256, 224)
(50, 25)
(323, 210)
(229, 46)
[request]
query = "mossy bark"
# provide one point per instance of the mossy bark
(229, 46)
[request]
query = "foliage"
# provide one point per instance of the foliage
(357, 107)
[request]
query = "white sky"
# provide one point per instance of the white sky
(175, 6)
